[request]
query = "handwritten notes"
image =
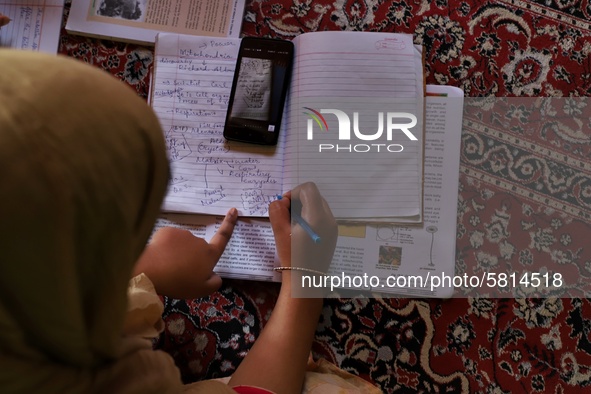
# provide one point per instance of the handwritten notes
(193, 78)
(253, 89)
(35, 24)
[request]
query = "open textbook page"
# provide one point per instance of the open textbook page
(140, 21)
(35, 24)
(193, 78)
(384, 251)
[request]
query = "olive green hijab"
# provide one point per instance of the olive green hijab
(83, 173)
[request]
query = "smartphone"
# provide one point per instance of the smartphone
(259, 88)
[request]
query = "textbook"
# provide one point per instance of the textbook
(139, 21)
(353, 124)
(420, 256)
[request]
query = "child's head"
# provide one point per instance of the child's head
(83, 171)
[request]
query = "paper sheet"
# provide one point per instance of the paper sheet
(35, 24)
(193, 77)
(366, 75)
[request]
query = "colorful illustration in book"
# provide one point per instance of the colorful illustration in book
(389, 256)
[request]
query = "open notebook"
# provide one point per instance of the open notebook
(349, 71)
(424, 253)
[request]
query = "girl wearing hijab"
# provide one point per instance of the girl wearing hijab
(83, 174)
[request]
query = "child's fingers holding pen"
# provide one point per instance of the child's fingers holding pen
(279, 215)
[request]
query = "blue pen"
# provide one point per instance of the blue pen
(303, 224)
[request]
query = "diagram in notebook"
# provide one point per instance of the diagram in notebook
(177, 146)
(390, 44)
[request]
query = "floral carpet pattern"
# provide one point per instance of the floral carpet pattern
(524, 205)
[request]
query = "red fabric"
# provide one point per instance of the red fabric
(251, 390)
(524, 202)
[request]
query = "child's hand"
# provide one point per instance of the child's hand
(295, 246)
(180, 265)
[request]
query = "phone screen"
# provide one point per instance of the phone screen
(258, 92)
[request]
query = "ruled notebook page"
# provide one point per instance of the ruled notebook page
(193, 77)
(364, 73)
(35, 24)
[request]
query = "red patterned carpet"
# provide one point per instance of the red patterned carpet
(524, 204)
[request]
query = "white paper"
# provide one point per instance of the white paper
(35, 24)
(358, 73)
(190, 95)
